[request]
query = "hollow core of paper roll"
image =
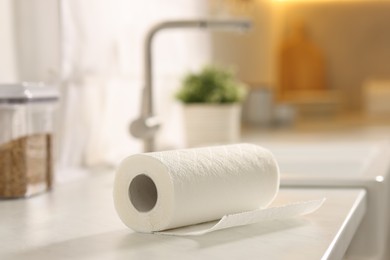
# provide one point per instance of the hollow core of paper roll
(143, 193)
(159, 191)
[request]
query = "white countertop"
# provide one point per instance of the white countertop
(77, 220)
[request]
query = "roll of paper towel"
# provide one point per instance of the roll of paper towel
(221, 187)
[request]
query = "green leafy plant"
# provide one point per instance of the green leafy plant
(211, 85)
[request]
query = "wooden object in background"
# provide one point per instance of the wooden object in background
(301, 62)
(302, 75)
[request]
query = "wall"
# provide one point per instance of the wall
(354, 36)
(252, 53)
(30, 42)
(355, 39)
(8, 65)
(38, 41)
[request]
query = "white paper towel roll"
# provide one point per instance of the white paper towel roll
(166, 190)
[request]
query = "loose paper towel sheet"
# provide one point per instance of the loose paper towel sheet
(196, 191)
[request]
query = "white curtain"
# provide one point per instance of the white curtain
(102, 69)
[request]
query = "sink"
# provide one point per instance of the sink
(318, 160)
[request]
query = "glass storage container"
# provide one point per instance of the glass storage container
(26, 135)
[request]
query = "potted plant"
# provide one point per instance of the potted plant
(212, 106)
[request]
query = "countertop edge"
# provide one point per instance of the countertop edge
(337, 250)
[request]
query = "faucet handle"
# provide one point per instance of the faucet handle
(143, 128)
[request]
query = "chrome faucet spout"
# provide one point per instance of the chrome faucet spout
(139, 128)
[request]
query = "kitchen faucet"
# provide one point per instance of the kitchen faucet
(147, 125)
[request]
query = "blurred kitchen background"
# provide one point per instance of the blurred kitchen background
(314, 69)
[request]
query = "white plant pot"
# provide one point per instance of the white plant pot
(207, 124)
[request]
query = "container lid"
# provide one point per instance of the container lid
(27, 92)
